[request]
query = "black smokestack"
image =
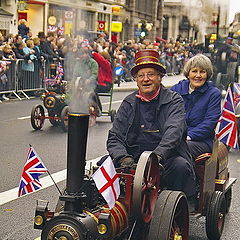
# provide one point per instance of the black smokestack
(76, 151)
(76, 161)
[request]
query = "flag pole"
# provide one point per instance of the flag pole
(54, 182)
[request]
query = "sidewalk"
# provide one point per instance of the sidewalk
(168, 81)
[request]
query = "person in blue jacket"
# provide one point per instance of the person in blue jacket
(202, 104)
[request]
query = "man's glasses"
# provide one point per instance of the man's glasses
(149, 76)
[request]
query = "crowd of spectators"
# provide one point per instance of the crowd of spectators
(50, 46)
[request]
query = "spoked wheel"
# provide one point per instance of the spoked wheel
(64, 118)
(146, 186)
(170, 219)
(112, 115)
(37, 117)
(215, 217)
(54, 118)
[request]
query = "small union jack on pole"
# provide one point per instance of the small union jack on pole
(33, 168)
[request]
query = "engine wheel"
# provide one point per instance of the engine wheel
(215, 217)
(64, 118)
(54, 119)
(112, 115)
(170, 219)
(37, 117)
(146, 186)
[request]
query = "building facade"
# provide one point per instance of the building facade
(168, 19)
(195, 19)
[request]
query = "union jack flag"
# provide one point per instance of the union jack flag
(60, 71)
(227, 129)
(33, 168)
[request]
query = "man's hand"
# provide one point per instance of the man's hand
(126, 162)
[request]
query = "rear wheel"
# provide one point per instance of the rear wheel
(37, 117)
(170, 219)
(215, 217)
(54, 119)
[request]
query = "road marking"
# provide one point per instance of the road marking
(27, 117)
(22, 118)
(46, 181)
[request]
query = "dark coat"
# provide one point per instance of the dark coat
(47, 50)
(170, 118)
(23, 30)
(203, 109)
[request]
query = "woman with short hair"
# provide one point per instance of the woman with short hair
(202, 104)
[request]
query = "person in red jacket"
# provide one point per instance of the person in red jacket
(105, 75)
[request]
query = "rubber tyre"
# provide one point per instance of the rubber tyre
(37, 117)
(170, 218)
(215, 217)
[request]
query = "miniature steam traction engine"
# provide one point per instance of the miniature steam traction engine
(54, 101)
(143, 211)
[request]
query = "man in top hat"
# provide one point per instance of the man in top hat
(153, 119)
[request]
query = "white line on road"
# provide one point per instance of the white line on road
(22, 118)
(46, 181)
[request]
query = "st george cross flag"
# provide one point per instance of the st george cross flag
(33, 168)
(227, 129)
(107, 182)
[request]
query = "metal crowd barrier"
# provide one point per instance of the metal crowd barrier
(23, 80)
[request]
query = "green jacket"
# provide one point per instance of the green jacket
(87, 70)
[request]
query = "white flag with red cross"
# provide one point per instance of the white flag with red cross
(107, 182)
